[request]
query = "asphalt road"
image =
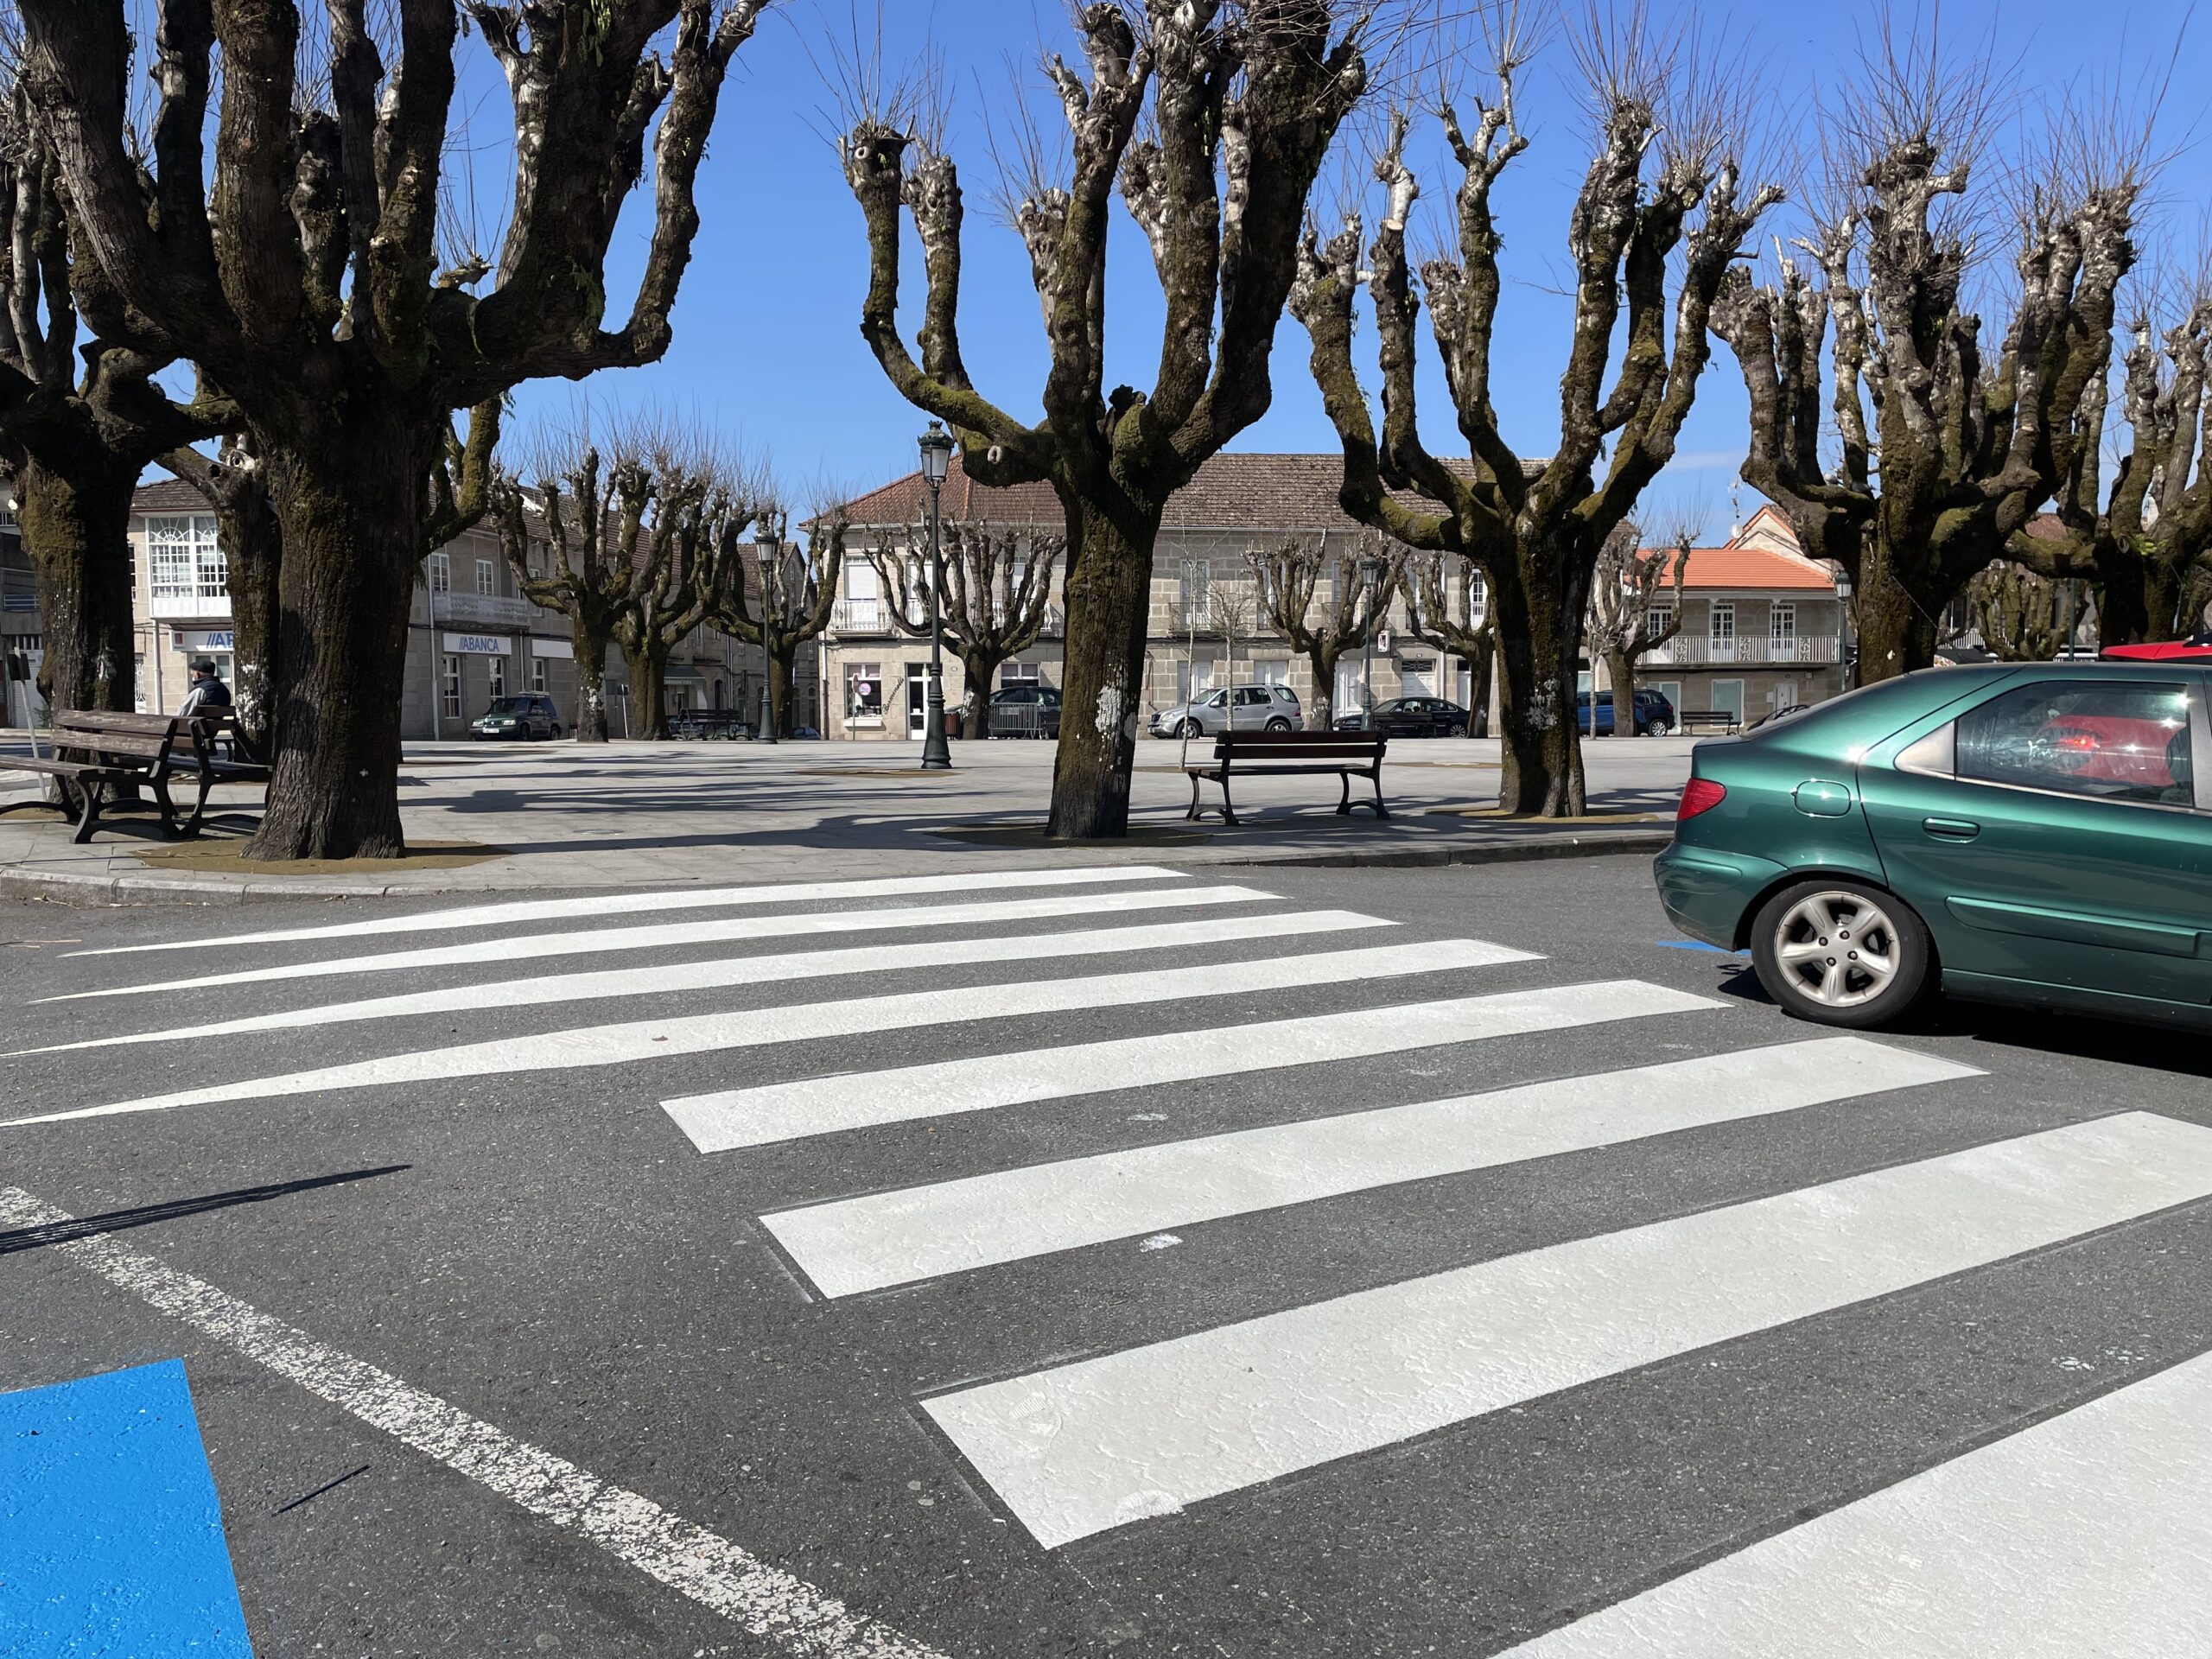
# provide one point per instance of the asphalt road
(565, 1316)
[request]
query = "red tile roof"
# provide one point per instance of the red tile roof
(1741, 568)
(1231, 492)
(168, 495)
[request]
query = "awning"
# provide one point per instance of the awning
(682, 674)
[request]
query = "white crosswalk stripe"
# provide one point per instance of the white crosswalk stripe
(659, 903)
(591, 942)
(647, 1039)
(784, 1111)
(2087, 1534)
(2066, 1538)
(1080, 1448)
(891, 1238)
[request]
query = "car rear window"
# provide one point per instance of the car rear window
(2126, 741)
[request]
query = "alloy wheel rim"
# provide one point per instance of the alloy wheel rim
(1839, 948)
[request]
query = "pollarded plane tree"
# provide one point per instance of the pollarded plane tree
(1447, 608)
(1213, 118)
(778, 594)
(1658, 220)
(81, 416)
(308, 285)
(589, 519)
(1945, 450)
(2147, 541)
(1627, 619)
(1287, 581)
(998, 592)
(2022, 617)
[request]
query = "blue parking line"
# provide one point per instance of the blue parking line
(1692, 944)
(111, 1535)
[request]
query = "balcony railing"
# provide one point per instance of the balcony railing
(1695, 651)
(484, 610)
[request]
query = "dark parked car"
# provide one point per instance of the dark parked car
(1025, 711)
(524, 717)
(1410, 717)
(1654, 715)
(2037, 834)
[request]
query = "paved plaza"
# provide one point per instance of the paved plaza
(562, 815)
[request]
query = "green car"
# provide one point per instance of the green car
(2038, 835)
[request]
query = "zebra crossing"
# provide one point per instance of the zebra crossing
(1076, 1448)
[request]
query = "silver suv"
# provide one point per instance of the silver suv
(1254, 708)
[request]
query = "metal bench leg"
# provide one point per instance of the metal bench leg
(160, 786)
(1191, 816)
(1381, 811)
(89, 820)
(1228, 806)
(199, 804)
(1344, 798)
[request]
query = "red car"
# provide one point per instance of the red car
(2196, 649)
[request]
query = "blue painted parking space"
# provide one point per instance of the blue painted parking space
(111, 1540)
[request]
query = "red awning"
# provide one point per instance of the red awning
(2197, 650)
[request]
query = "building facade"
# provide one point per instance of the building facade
(1762, 628)
(1204, 629)
(22, 630)
(472, 638)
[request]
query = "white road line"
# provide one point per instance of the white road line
(1081, 1448)
(659, 901)
(894, 1238)
(709, 1569)
(647, 1039)
(591, 942)
(677, 978)
(787, 1111)
(2087, 1534)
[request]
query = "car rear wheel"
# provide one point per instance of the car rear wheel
(1657, 727)
(1842, 953)
(1278, 725)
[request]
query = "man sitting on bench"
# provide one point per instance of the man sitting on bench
(208, 692)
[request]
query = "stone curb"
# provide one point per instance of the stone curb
(64, 887)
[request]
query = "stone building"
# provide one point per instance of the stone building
(1203, 630)
(23, 630)
(472, 638)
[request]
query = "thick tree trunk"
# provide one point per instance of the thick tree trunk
(1620, 668)
(1897, 635)
(1482, 664)
(977, 668)
(1323, 661)
(1538, 635)
(76, 529)
(590, 646)
(253, 544)
(352, 514)
(648, 693)
(1109, 599)
(780, 663)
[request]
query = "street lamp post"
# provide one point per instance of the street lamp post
(937, 460)
(1843, 626)
(1371, 572)
(769, 551)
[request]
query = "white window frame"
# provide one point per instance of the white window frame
(855, 710)
(449, 687)
(1720, 622)
(495, 669)
(487, 583)
(184, 557)
(1781, 627)
(538, 676)
(441, 573)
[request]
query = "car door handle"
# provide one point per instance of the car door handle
(1951, 829)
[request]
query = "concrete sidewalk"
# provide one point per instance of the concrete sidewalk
(636, 815)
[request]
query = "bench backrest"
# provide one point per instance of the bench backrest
(144, 737)
(1300, 745)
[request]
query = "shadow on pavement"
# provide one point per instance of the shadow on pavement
(61, 1232)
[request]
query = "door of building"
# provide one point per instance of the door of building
(917, 698)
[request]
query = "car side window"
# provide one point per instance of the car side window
(2124, 741)
(1250, 696)
(1049, 698)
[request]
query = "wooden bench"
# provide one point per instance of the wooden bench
(1282, 755)
(97, 753)
(1705, 720)
(211, 732)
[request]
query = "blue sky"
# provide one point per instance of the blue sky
(766, 344)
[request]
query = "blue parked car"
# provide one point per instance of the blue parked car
(1654, 715)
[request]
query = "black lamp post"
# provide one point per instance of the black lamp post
(937, 460)
(1371, 572)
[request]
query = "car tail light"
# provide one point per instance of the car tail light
(1699, 795)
